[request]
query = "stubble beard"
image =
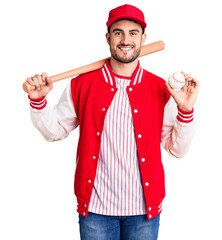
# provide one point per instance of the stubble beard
(129, 59)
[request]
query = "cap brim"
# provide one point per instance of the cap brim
(111, 21)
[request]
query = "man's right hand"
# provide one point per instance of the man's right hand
(42, 83)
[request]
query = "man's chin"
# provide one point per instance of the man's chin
(125, 60)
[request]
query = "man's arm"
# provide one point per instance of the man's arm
(178, 129)
(179, 124)
(54, 124)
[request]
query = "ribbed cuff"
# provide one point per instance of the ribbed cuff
(38, 103)
(184, 116)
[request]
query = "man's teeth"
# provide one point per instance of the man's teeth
(125, 48)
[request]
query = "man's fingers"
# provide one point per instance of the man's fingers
(189, 82)
(36, 82)
(196, 83)
(40, 81)
(192, 82)
(186, 76)
(39, 78)
(49, 82)
(30, 81)
(44, 75)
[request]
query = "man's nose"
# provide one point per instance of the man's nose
(125, 39)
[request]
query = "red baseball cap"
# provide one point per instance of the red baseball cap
(126, 11)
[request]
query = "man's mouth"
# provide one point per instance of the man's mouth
(125, 48)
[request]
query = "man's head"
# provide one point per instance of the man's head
(126, 26)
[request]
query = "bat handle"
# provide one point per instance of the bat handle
(87, 68)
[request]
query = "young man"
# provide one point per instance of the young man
(124, 112)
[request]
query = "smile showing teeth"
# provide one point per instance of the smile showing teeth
(125, 48)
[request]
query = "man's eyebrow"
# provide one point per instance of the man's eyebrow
(120, 30)
(117, 30)
(134, 30)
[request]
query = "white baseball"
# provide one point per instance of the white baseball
(176, 80)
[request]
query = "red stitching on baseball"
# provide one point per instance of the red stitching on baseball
(176, 79)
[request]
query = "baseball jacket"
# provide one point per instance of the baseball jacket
(85, 103)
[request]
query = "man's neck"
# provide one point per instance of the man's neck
(123, 69)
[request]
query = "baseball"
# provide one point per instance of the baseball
(176, 80)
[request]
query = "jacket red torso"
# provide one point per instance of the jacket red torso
(92, 96)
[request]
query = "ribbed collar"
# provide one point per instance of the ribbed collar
(109, 76)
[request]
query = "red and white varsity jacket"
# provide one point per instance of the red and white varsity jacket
(90, 95)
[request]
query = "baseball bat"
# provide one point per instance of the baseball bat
(145, 50)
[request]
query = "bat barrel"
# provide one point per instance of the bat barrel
(151, 48)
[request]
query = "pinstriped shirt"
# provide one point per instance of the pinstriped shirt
(118, 187)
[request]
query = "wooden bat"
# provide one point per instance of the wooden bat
(145, 50)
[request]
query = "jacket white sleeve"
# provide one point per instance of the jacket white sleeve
(54, 124)
(178, 129)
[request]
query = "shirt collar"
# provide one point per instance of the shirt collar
(110, 78)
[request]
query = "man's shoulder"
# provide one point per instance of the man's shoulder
(86, 77)
(89, 75)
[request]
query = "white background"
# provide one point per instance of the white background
(36, 177)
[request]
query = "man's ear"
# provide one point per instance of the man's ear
(108, 38)
(143, 38)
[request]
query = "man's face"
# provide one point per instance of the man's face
(125, 40)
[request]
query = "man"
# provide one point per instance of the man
(123, 113)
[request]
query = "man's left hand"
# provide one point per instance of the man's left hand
(186, 97)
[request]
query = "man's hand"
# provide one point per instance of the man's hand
(42, 84)
(186, 97)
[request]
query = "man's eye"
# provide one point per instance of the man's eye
(117, 33)
(133, 33)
